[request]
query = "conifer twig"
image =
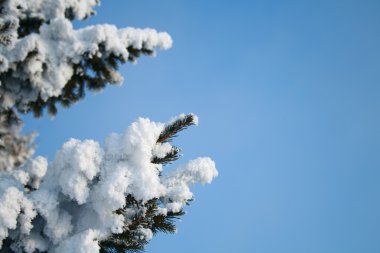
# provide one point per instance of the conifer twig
(171, 156)
(175, 127)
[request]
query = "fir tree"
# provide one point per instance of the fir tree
(89, 198)
(44, 61)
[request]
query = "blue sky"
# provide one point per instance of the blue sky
(288, 98)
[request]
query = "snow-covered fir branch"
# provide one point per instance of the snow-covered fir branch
(92, 199)
(44, 62)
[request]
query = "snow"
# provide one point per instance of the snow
(41, 64)
(75, 165)
(78, 193)
(69, 204)
(58, 47)
(183, 115)
(201, 170)
(146, 234)
(16, 210)
(49, 9)
(84, 242)
(161, 149)
(36, 169)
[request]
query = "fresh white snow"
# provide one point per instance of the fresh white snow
(86, 183)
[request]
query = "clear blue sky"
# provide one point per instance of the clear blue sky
(288, 95)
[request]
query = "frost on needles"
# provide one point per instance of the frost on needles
(100, 199)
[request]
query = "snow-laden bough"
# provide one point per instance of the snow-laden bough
(94, 198)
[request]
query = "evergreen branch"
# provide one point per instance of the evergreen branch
(136, 53)
(147, 216)
(8, 25)
(92, 72)
(175, 127)
(170, 157)
(165, 223)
